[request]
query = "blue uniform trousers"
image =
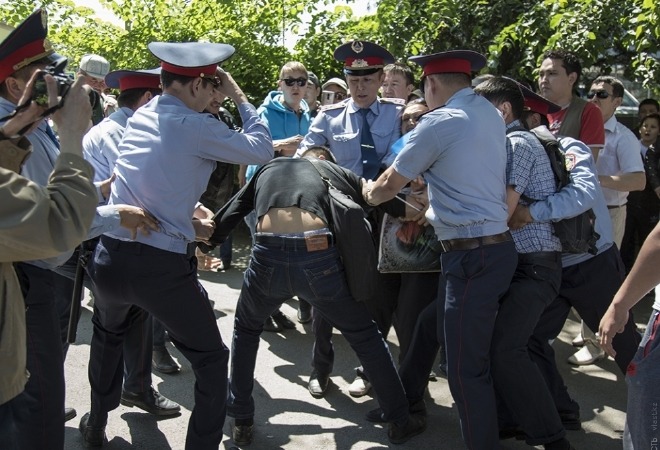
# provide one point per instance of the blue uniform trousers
(280, 269)
(130, 277)
(588, 287)
(476, 280)
(39, 410)
(137, 340)
(519, 384)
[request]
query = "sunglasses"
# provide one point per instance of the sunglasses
(215, 81)
(340, 96)
(291, 81)
(599, 94)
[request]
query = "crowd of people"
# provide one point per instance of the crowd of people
(129, 195)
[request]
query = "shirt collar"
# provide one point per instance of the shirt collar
(610, 124)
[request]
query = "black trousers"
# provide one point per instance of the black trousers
(39, 410)
(129, 277)
(588, 287)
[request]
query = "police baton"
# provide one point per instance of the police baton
(76, 298)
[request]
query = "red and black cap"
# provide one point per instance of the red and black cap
(27, 44)
(362, 57)
(191, 59)
(535, 103)
(453, 61)
(134, 79)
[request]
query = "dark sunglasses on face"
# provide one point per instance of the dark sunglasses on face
(215, 81)
(291, 81)
(600, 94)
(340, 96)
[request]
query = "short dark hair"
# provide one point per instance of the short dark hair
(130, 97)
(650, 101)
(617, 85)
(319, 150)
(416, 101)
(399, 68)
(655, 116)
(498, 90)
(168, 78)
(569, 62)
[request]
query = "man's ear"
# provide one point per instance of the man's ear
(13, 89)
(572, 77)
(616, 101)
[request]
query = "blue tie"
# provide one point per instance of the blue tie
(51, 135)
(370, 162)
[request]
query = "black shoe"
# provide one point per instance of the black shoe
(163, 362)
(304, 313)
(318, 384)
(241, 434)
(398, 434)
(150, 401)
(416, 409)
(93, 434)
(271, 325)
(69, 413)
(570, 420)
(283, 320)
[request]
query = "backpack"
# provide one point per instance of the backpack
(353, 238)
(577, 234)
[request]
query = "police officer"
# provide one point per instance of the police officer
(168, 152)
(460, 149)
(589, 282)
(40, 408)
(359, 132)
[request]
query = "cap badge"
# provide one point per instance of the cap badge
(359, 63)
(357, 46)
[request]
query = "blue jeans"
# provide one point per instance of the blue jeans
(284, 268)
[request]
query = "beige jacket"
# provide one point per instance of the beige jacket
(35, 222)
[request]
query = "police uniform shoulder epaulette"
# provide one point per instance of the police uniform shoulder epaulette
(339, 105)
(393, 101)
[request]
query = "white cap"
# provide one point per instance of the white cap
(338, 81)
(95, 66)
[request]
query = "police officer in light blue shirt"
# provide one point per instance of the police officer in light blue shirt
(589, 282)
(341, 126)
(460, 149)
(167, 155)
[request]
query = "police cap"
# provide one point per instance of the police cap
(134, 79)
(27, 44)
(454, 61)
(362, 57)
(535, 103)
(191, 59)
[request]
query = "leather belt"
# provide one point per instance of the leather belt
(615, 206)
(287, 242)
(473, 243)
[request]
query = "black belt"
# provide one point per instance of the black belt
(615, 206)
(472, 243)
(291, 243)
(539, 257)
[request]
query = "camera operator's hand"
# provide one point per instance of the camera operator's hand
(134, 219)
(73, 118)
(229, 87)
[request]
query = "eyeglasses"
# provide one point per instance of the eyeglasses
(600, 94)
(340, 96)
(215, 81)
(291, 81)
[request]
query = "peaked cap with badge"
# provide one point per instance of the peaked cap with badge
(453, 61)
(362, 57)
(27, 44)
(134, 79)
(191, 59)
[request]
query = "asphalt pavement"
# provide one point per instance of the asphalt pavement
(288, 417)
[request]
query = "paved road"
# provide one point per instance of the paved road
(287, 417)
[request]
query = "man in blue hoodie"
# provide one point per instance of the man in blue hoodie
(287, 115)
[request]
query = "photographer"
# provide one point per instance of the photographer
(36, 222)
(39, 410)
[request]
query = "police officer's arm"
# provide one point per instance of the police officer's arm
(578, 196)
(315, 135)
(388, 184)
(643, 277)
